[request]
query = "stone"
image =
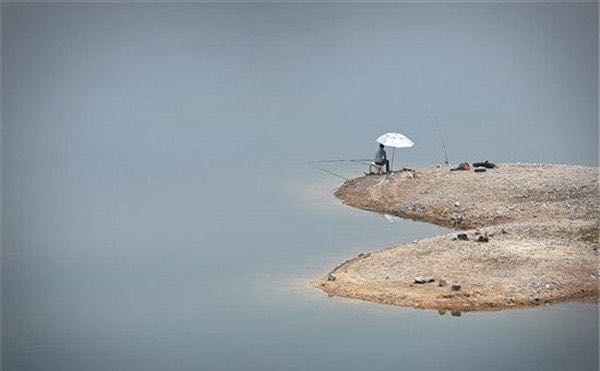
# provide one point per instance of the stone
(462, 236)
(455, 287)
(423, 280)
(331, 277)
(442, 283)
(483, 239)
(456, 203)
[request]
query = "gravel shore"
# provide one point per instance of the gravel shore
(527, 234)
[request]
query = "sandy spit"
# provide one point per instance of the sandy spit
(541, 223)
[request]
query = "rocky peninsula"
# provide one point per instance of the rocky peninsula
(526, 234)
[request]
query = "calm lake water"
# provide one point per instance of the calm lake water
(160, 212)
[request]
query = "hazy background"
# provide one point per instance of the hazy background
(90, 83)
(159, 212)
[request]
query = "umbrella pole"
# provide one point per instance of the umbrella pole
(393, 154)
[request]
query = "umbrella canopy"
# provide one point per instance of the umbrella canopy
(395, 140)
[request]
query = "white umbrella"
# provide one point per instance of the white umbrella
(395, 140)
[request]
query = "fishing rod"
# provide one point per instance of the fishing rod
(360, 161)
(327, 171)
(355, 161)
(437, 124)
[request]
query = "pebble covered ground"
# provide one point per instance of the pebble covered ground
(527, 234)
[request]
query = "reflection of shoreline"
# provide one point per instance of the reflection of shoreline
(391, 218)
(537, 225)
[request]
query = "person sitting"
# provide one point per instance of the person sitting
(381, 158)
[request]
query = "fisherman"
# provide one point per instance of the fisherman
(381, 158)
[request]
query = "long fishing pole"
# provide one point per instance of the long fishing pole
(360, 161)
(328, 171)
(441, 139)
(355, 161)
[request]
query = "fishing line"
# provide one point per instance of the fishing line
(361, 161)
(329, 161)
(327, 171)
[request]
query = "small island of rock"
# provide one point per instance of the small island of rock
(527, 234)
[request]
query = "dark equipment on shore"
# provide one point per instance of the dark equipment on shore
(483, 238)
(462, 166)
(486, 164)
(478, 167)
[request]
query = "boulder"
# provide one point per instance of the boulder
(422, 280)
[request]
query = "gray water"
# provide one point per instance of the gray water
(159, 209)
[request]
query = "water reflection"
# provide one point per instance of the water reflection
(391, 218)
